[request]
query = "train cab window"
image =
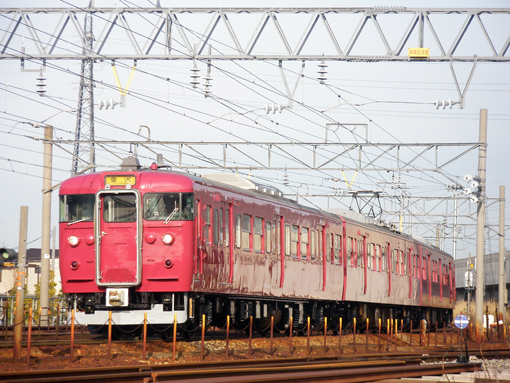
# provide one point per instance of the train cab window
(238, 231)
(304, 242)
(258, 238)
(338, 249)
(119, 208)
(168, 206)
(247, 231)
(313, 245)
(77, 207)
(269, 237)
(287, 240)
(294, 245)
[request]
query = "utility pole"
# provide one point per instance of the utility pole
(85, 112)
(480, 215)
(20, 283)
(502, 267)
(46, 225)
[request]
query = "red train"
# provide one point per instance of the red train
(166, 243)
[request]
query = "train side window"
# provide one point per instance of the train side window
(238, 231)
(294, 250)
(338, 251)
(216, 227)
(328, 248)
(361, 254)
(258, 238)
(377, 250)
(287, 240)
(424, 268)
(222, 226)
(370, 255)
(313, 244)
(349, 252)
(206, 234)
(403, 263)
(304, 242)
(247, 231)
(269, 237)
(384, 258)
(227, 227)
(320, 243)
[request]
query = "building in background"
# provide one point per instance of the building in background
(491, 290)
(8, 273)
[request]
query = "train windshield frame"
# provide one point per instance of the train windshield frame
(168, 207)
(77, 207)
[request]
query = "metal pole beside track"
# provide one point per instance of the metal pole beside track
(228, 333)
(340, 337)
(174, 337)
(325, 334)
(144, 356)
(203, 337)
(250, 336)
(291, 330)
(109, 334)
(72, 335)
(271, 346)
(379, 338)
(29, 340)
(480, 218)
(366, 346)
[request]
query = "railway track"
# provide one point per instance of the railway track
(259, 370)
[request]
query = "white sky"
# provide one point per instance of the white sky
(394, 98)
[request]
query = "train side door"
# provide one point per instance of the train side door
(117, 229)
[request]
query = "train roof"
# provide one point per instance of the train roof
(247, 186)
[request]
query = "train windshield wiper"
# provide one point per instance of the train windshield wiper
(171, 215)
(80, 220)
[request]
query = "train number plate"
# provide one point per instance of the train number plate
(120, 180)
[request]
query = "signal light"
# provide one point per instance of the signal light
(8, 257)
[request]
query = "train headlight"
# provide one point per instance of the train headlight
(73, 240)
(168, 238)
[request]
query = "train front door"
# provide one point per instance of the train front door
(117, 230)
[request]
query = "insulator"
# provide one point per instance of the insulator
(322, 71)
(194, 75)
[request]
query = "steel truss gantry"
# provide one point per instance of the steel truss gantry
(170, 34)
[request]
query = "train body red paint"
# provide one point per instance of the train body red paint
(174, 245)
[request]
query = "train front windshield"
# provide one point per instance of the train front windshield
(77, 207)
(168, 207)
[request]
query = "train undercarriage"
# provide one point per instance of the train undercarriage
(189, 310)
